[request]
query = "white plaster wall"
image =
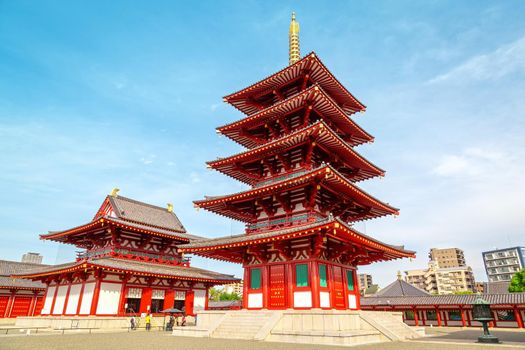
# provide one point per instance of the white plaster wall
(46, 310)
(87, 298)
(108, 299)
(352, 301)
(324, 299)
(72, 301)
(255, 300)
(302, 299)
(59, 302)
(199, 299)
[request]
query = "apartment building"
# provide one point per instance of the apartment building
(447, 257)
(502, 264)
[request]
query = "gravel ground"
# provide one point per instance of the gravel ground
(161, 341)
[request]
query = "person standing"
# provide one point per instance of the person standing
(148, 321)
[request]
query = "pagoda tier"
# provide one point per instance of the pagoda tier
(318, 193)
(295, 112)
(303, 149)
(289, 81)
(342, 241)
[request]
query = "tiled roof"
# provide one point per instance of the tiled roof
(155, 229)
(140, 212)
(143, 268)
(449, 299)
(400, 288)
(11, 267)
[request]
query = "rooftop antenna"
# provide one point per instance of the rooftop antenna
(293, 35)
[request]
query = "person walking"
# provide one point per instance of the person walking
(148, 321)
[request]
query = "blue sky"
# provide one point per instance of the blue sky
(98, 94)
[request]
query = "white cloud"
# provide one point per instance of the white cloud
(507, 59)
(472, 161)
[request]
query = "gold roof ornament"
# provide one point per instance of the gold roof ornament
(114, 192)
(170, 207)
(293, 36)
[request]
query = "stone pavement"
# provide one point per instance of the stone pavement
(470, 335)
(160, 341)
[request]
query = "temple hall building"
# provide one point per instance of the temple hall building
(129, 264)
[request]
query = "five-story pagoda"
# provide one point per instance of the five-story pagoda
(299, 249)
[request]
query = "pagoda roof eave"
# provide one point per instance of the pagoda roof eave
(315, 96)
(326, 173)
(319, 73)
(134, 267)
(318, 129)
(208, 248)
(60, 236)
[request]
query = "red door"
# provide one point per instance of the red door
(21, 306)
(277, 289)
(339, 293)
(39, 306)
(3, 305)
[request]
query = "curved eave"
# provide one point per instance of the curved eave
(314, 96)
(21, 288)
(324, 136)
(318, 72)
(326, 174)
(62, 235)
(215, 248)
(88, 265)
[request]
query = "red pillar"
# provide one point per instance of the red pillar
(438, 315)
(416, 318)
(245, 286)
(169, 299)
(122, 298)
(10, 304)
(265, 283)
(468, 318)
(66, 298)
(54, 298)
(462, 312)
(290, 285)
(81, 295)
(188, 303)
(314, 273)
(206, 297)
(145, 299)
(517, 315)
(495, 316)
(445, 318)
(32, 306)
(96, 294)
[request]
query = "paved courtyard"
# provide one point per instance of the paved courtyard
(160, 341)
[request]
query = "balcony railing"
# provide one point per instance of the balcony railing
(284, 222)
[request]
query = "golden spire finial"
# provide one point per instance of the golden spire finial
(293, 36)
(170, 207)
(114, 192)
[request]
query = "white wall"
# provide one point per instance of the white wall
(199, 299)
(352, 301)
(72, 301)
(255, 300)
(59, 302)
(302, 299)
(87, 298)
(46, 310)
(108, 299)
(324, 299)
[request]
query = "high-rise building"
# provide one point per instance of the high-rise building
(33, 258)
(234, 288)
(447, 257)
(502, 264)
(365, 281)
(437, 280)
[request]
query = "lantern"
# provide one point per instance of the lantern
(481, 312)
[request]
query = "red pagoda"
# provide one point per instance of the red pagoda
(299, 250)
(129, 264)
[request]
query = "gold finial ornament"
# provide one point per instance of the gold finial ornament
(114, 192)
(293, 36)
(170, 207)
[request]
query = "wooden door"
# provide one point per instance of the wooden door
(21, 306)
(339, 292)
(277, 290)
(3, 305)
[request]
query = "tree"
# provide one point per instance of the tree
(229, 296)
(214, 294)
(517, 283)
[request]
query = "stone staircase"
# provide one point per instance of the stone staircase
(242, 324)
(391, 326)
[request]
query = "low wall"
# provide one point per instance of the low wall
(100, 322)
